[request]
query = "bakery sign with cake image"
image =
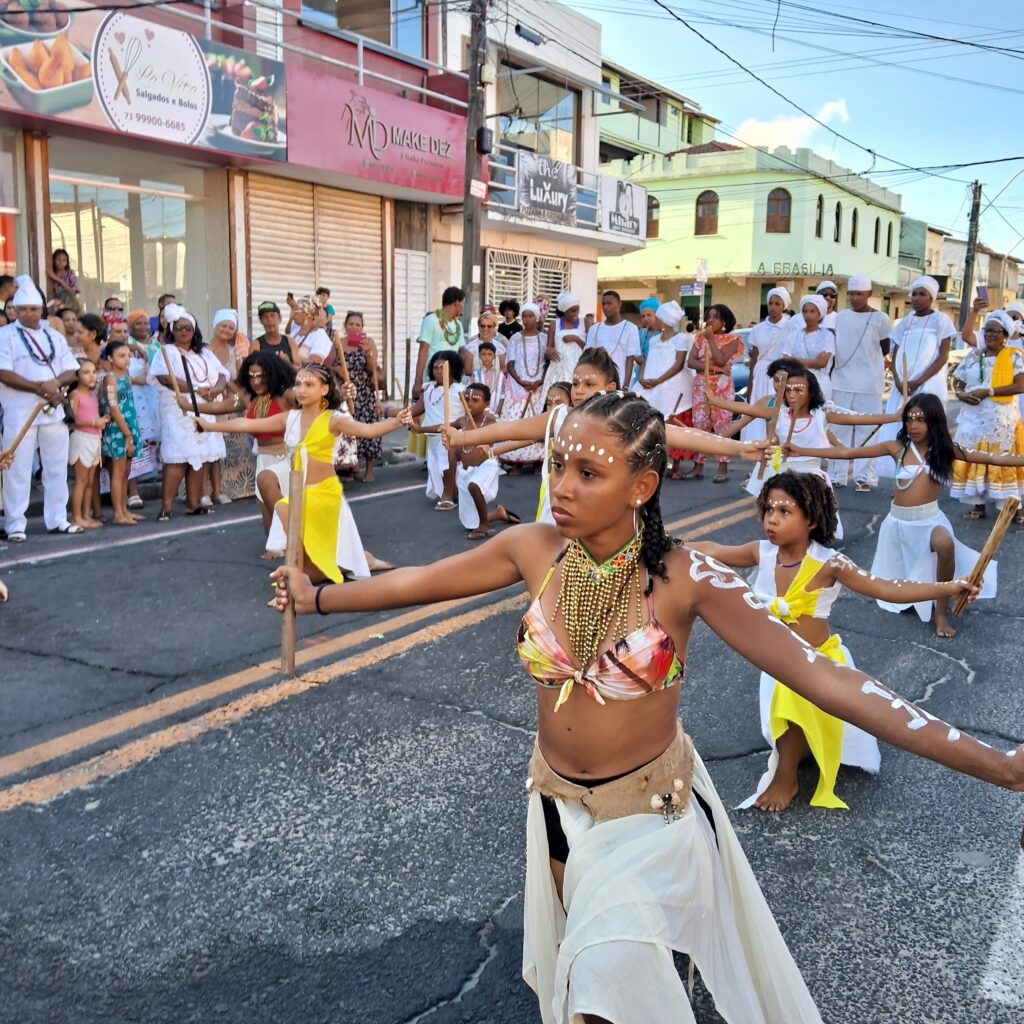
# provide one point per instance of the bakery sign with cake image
(118, 71)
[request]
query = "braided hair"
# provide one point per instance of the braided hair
(811, 495)
(640, 428)
(327, 376)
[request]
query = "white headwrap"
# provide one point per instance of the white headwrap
(173, 312)
(669, 313)
(530, 307)
(814, 300)
(1018, 308)
(826, 284)
(860, 283)
(565, 302)
(782, 294)
(27, 294)
(998, 316)
(929, 284)
(223, 315)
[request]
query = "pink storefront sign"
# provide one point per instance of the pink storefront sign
(337, 125)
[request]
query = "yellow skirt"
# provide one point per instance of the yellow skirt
(975, 482)
(824, 732)
(321, 512)
(417, 443)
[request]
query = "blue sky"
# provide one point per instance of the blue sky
(919, 101)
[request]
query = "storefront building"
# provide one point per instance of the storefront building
(264, 153)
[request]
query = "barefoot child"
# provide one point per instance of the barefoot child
(478, 472)
(799, 578)
(84, 450)
(430, 405)
(121, 437)
(915, 540)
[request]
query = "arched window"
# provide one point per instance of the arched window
(878, 233)
(819, 217)
(780, 203)
(837, 234)
(888, 240)
(653, 216)
(853, 229)
(707, 214)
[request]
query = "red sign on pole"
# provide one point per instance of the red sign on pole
(337, 125)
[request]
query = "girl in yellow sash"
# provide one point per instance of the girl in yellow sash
(799, 579)
(329, 537)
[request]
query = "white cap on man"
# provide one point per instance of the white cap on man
(27, 294)
(859, 283)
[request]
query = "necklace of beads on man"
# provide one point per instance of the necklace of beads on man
(594, 598)
(35, 350)
(450, 336)
(534, 373)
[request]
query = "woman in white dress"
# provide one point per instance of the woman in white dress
(565, 344)
(986, 384)
(196, 369)
(664, 378)
(524, 381)
(814, 345)
(767, 343)
(924, 336)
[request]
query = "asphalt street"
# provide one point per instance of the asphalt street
(187, 836)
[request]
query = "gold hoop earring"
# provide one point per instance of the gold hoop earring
(323, 404)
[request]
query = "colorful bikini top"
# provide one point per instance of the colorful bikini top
(638, 664)
(319, 441)
(798, 601)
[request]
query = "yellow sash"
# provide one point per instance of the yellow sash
(1002, 373)
(798, 601)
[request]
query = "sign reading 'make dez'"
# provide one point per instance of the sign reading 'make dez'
(546, 188)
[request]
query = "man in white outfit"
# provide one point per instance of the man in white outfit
(858, 376)
(35, 363)
(617, 336)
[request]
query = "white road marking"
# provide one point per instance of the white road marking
(1003, 980)
(206, 523)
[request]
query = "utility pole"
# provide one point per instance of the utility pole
(472, 274)
(972, 247)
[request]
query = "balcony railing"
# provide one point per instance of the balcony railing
(570, 196)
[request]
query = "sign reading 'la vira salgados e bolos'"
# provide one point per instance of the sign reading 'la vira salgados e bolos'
(796, 269)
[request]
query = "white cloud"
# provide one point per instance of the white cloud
(791, 131)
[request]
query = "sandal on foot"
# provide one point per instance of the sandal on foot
(692, 474)
(974, 514)
(1018, 519)
(510, 517)
(478, 534)
(136, 502)
(68, 528)
(862, 487)
(163, 517)
(720, 479)
(16, 538)
(444, 506)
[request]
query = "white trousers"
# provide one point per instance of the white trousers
(52, 441)
(851, 436)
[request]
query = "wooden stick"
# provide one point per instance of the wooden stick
(1002, 523)
(707, 375)
(170, 371)
(780, 398)
(465, 409)
(398, 389)
(343, 370)
(293, 558)
(20, 436)
(792, 424)
(446, 383)
(408, 371)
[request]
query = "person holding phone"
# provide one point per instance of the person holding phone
(360, 354)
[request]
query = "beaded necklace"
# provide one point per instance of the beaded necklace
(35, 350)
(534, 373)
(452, 336)
(594, 598)
(900, 485)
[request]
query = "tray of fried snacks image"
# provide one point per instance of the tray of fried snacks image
(47, 78)
(25, 20)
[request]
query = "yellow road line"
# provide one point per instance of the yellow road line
(48, 786)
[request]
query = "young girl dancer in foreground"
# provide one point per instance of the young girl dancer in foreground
(799, 578)
(630, 854)
(915, 540)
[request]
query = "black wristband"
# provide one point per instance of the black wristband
(316, 601)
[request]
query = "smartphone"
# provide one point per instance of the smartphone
(355, 337)
(983, 292)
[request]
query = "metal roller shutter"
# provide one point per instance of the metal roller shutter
(281, 243)
(349, 255)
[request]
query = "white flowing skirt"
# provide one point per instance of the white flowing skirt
(486, 477)
(437, 466)
(904, 552)
(636, 889)
(860, 748)
(350, 554)
(180, 442)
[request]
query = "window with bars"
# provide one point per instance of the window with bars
(521, 276)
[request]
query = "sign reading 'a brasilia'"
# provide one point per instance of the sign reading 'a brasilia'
(545, 188)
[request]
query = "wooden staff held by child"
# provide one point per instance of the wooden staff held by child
(293, 557)
(343, 370)
(446, 378)
(780, 397)
(472, 422)
(1003, 520)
